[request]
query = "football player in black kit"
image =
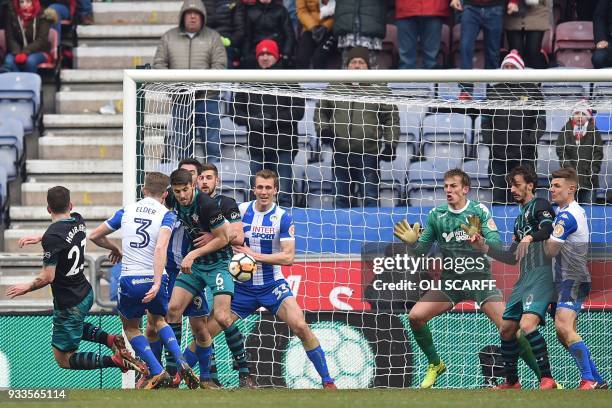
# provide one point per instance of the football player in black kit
(63, 263)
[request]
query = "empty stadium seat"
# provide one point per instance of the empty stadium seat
(397, 169)
(565, 90)
(574, 44)
(555, 122)
(603, 121)
(547, 162)
(426, 197)
(447, 127)
(20, 97)
(413, 89)
(450, 91)
(306, 126)
(410, 123)
(232, 133)
(235, 173)
(390, 194)
(11, 145)
(318, 186)
(602, 90)
(3, 190)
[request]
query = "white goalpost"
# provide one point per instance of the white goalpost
(344, 206)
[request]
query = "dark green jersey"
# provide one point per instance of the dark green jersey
(202, 215)
(444, 227)
(534, 215)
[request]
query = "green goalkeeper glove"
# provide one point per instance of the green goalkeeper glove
(403, 231)
(473, 227)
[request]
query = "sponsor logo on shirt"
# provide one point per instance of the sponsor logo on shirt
(292, 230)
(491, 225)
(262, 232)
(217, 219)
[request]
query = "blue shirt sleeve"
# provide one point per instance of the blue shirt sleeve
(565, 225)
(168, 220)
(114, 222)
(287, 229)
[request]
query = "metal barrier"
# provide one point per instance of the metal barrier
(97, 276)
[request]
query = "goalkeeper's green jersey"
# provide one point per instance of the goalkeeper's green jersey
(444, 227)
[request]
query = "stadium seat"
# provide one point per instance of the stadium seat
(565, 90)
(425, 173)
(449, 91)
(413, 89)
(306, 126)
(318, 186)
(237, 192)
(390, 194)
(481, 194)
(555, 122)
(232, 133)
(602, 90)
(605, 176)
(20, 97)
(603, 121)
(447, 127)
(410, 123)
(235, 173)
(547, 162)
(11, 145)
(547, 42)
(574, 44)
(397, 169)
(426, 196)
(478, 171)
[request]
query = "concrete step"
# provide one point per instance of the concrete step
(39, 213)
(122, 57)
(82, 192)
(80, 147)
(91, 80)
(135, 32)
(73, 167)
(12, 236)
(55, 121)
(86, 102)
(137, 13)
(92, 147)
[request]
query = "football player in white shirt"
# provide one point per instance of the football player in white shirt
(147, 226)
(568, 245)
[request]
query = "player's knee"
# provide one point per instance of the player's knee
(63, 360)
(507, 331)
(224, 318)
(564, 332)
(528, 327)
(417, 320)
(302, 330)
(150, 331)
(175, 313)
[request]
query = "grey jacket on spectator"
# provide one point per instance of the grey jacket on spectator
(585, 156)
(177, 50)
(357, 127)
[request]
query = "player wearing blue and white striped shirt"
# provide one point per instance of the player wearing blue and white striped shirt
(568, 244)
(270, 240)
(146, 226)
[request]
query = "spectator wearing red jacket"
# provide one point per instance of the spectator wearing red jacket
(420, 20)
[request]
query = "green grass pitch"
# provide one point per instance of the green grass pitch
(379, 398)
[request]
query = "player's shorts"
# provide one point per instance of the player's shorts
(570, 294)
(131, 291)
(68, 324)
(480, 296)
(533, 296)
(216, 276)
(248, 298)
(198, 306)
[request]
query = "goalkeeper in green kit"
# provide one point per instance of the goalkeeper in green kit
(466, 273)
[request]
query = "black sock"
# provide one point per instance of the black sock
(540, 352)
(235, 342)
(90, 361)
(510, 355)
(94, 334)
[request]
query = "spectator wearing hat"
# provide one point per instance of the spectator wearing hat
(317, 43)
(580, 147)
(420, 20)
(361, 134)
(602, 32)
(27, 35)
(271, 122)
(525, 30)
(192, 45)
(268, 20)
(512, 133)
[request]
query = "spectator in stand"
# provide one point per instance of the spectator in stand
(602, 32)
(361, 134)
(487, 15)
(525, 30)
(513, 134)
(290, 5)
(271, 123)
(268, 20)
(420, 20)
(84, 12)
(192, 45)
(360, 23)
(580, 147)
(317, 42)
(27, 36)
(227, 17)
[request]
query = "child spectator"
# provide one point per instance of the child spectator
(580, 146)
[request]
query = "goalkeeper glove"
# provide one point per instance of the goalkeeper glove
(473, 227)
(403, 231)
